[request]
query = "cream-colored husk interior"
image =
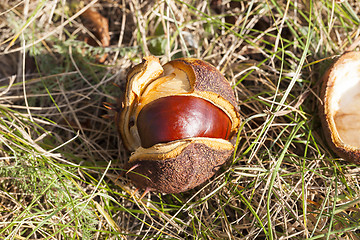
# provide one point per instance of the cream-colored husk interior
(138, 78)
(345, 101)
(173, 80)
(172, 149)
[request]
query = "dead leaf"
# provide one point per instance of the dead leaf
(99, 26)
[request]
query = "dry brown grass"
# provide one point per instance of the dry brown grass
(61, 160)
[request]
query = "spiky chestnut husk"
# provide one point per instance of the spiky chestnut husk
(175, 153)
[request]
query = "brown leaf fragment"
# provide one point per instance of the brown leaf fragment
(98, 24)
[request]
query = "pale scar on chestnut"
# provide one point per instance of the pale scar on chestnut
(339, 111)
(178, 119)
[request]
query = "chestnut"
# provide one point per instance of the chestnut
(339, 112)
(179, 120)
(178, 117)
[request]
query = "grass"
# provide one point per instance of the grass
(61, 161)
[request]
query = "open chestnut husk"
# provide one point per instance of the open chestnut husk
(179, 120)
(339, 111)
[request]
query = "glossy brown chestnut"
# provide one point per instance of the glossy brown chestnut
(179, 117)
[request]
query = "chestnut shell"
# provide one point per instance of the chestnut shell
(182, 164)
(340, 90)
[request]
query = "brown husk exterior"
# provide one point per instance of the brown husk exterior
(193, 166)
(345, 151)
